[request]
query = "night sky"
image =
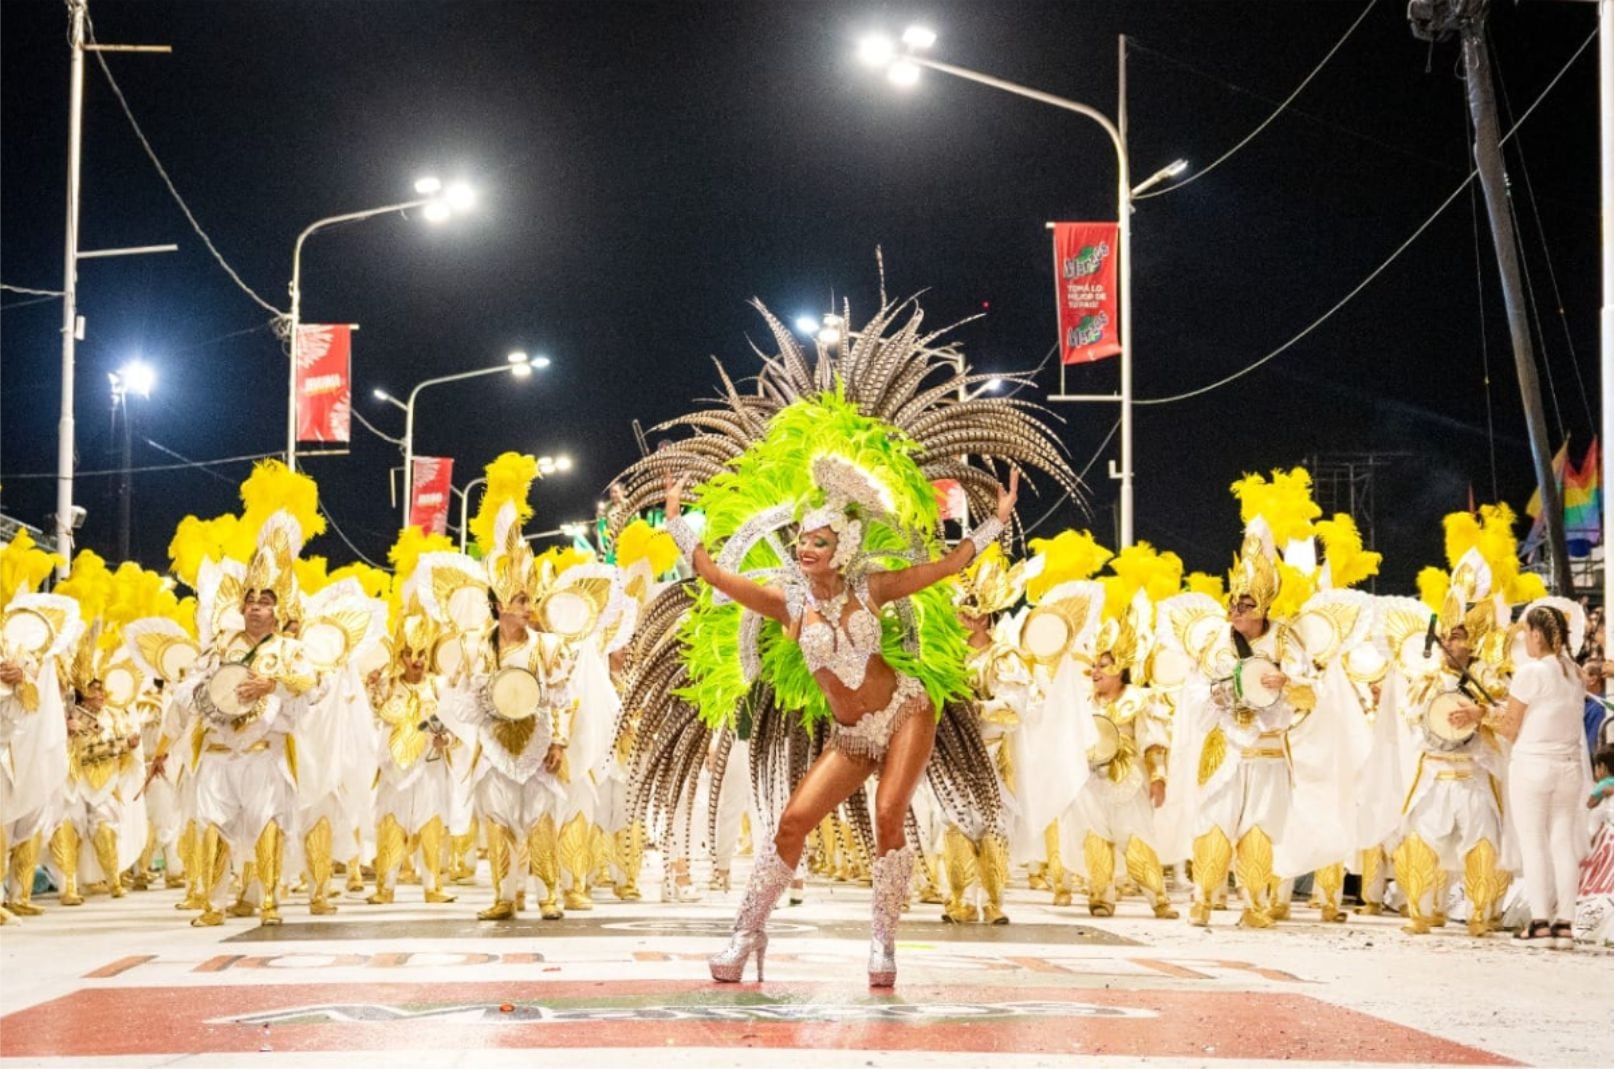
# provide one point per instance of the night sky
(645, 170)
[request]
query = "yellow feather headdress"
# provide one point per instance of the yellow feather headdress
(990, 584)
(1349, 564)
(1070, 556)
(510, 477)
(1484, 568)
(23, 566)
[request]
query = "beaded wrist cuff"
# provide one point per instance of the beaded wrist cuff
(986, 534)
(684, 537)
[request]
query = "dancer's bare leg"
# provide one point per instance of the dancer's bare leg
(906, 757)
(829, 782)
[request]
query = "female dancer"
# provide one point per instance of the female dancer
(835, 619)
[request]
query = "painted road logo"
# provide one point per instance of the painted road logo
(791, 1013)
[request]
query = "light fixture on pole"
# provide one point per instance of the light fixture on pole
(1171, 170)
(137, 377)
(518, 369)
(438, 204)
(903, 67)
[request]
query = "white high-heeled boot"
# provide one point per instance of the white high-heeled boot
(769, 875)
(892, 872)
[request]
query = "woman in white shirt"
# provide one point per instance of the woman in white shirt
(1547, 774)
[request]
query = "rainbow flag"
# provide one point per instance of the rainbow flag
(1582, 490)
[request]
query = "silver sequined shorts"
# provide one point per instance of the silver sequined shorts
(869, 737)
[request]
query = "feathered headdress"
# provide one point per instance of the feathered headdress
(23, 566)
(273, 564)
(1485, 577)
(1068, 557)
(991, 584)
(1277, 514)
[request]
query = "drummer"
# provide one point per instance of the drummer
(246, 773)
(1452, 819)
(502, 708)
(1261, 686)
(1116, 808)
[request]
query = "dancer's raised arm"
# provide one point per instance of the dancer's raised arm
(902, 582)
(764, 600)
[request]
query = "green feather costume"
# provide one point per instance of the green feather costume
(888, 400)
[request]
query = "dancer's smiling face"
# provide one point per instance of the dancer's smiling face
(815, 550)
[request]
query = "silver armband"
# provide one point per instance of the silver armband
(986, 534)
(684, 537)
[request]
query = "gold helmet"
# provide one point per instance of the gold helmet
(1254, 575)
(1485, 578)
(498, 526)
(510, 567)
(1118, 636)
(272, 567)
(991, 584)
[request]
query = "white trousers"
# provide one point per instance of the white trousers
(1546, 809)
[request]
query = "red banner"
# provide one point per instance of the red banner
(430, 493)
(1085, 291)
(324, 387)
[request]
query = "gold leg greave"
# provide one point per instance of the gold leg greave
(959, 861)
(1373, 893)
(462, 855)
(212, 862)
(1100, 855)
(1144, 867)
(630, 858)
(501, 844)
(577, 855)
(389, 852)
(24, 859)
(196, 868)
(1212, 856)
(317, 851)
(544, 860)
(1331, 882)
(105, 844)
(64, 851)
(1482, 887)
(140, 878)
(994, 867)
(1417, 867)
(269, 850)
(1253, 869)
(1054, 874)
(243, 907)
(432, 842)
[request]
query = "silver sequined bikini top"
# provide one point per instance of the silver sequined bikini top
(845, 647)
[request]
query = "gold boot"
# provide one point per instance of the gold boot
(24, 859)
(630, 857)
(64, 850)
(1331, 882)
(179, 877)
(1144, 868)
(544, 861)
(192, 847)
(242, 907)
(105, 843)
(1253, 868)
(269, 849)
(994, 869)
(141, 876)
(1100, 854)
(317, 854)
(1373, 900)
(930, 881)
(432, 858)
(577, 858)
(1212, 856)
(959, 862)
(355, 875)
(500, 841)
(1055, 877)
(1480, 885)
(407, 872)
(211, 861)
(1416, 866)
(389, 852)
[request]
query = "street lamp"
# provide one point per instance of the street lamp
(138, 377)
(439, 203)
(546, 466)
(520, 370)
(903, 67)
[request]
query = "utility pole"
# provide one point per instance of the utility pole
(72, 327)
(1437, 20)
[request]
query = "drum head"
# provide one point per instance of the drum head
(1365, 664)
(1411, 659)
(468, 607)
(176, 659)
(1435, 717)
(514, 693)
(122, 684)
(448, 655)
(566, 613)
(1248, 679)
(1045, 635)
(325, 643)
(1109, 744)
(1169, 667)
(25, 631)
(221, 689)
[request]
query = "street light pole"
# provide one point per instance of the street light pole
(465, 509)
(78, 9)
(1124, 239)
(297, 307)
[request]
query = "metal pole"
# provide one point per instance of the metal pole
(465, 509)
(1124, 237)
(1124, 221)
(126, 487)
(64, 431)
(291, 375)
(1606, 124)
(409, 456)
